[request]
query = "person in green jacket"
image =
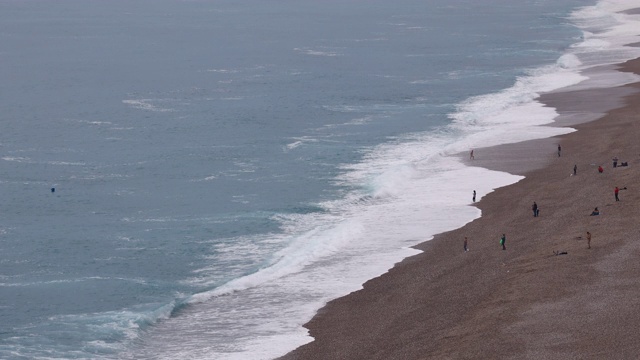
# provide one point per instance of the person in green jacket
(503, 240)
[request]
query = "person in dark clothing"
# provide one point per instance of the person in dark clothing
(595, 212)
(534, 207)
(575, 169)
(474, 196)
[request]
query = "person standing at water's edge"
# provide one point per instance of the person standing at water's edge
(474, 196)
(466, 243)
(471, 157)
(503, 241)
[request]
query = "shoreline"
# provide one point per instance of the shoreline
(524, 302)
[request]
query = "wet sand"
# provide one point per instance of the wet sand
(524, 302)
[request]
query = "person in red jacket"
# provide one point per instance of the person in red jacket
(615, 192)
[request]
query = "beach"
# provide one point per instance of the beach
(547, 296)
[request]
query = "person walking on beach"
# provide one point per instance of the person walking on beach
(474, 196)
(615, 192)
(503, 240)
(559, 150)
(534, 207)
(615, 161)
(471, 157)
(588, 240)
(466, 243)
(575, 169)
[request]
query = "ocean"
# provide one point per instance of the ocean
(195, 179)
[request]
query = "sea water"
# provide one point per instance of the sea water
(195, 179)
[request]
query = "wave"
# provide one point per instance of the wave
(309, 51)
(70, 281)
(608, 33)
(146, 104)
(306, 249)
(17, 159)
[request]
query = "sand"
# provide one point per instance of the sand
(524, 302)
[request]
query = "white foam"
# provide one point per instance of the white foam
(66, 163)
(299, 141)
(607, 32)
(208, 178)
(146, 104)
(16, 159)
(294, 145)
(309, 51)
(224, 71)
